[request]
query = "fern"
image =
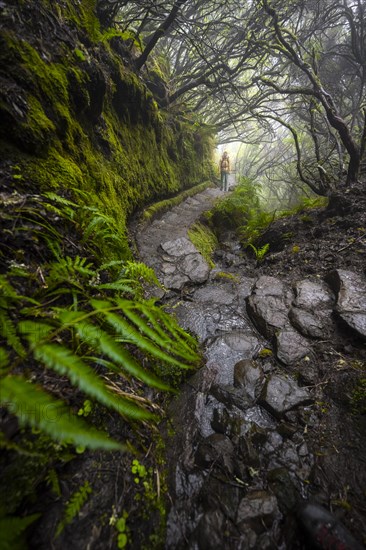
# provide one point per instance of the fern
(260, 252)
(9, 332)
(132, 335)
(73, 507)
(53, 481)
(88, 343)
(12, 529)
(63, 361)
(139, 270)
(35, 407)
(99, 339)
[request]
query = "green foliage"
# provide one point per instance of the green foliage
(165, 205)
(79, 54)
(259, 252)
(76, 324)
(73, 507)
(204, 240)
(241, 211)
(123, 531)
(12, 531)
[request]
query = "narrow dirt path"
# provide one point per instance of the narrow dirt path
(173, 225)
(256, 437)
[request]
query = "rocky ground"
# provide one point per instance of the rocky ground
(276, 417)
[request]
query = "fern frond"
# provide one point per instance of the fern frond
(9, 333)
(162, 339)
(121, 286)
(12, 529)
(59, 200)
(113, 263)
(33, 406)
(130, 334)
(35, 331)
(106, 344)
(6, 289)
(63, 361)
(139, 270)
(53, 481)
(156, 315)
(73, 507)
(4, 359)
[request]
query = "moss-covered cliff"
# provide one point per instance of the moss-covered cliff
(83, 144)
(75, 117)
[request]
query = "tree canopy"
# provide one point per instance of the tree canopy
(297, 66)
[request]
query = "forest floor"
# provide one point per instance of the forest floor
(305, 245)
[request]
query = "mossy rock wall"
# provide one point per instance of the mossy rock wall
(76, 118)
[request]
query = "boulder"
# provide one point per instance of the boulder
(281, 394)
(309, 323)
(268, 305)
(291, 346)
(248, 375)
(313, 295)
(350, 289)
(258, 510)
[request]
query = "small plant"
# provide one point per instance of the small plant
(79, 54)
(73, 507)
(265, 352)
(260, 252)
(204, 240)
(138, 470)
(123, 530)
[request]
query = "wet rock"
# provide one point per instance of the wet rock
(281, 394)
(291, 346)
(221, 420)
(209, 532)
(268, 305)
(350, 289)
(179, 247)
(215, 293)
(230, 396)
(310, 324)
(311, 295)
(282, 486)
(182, 263)
(258, 510)
(228, 349)
(175, 281)
(248, 375)
(247, 451)
(195, 267)
(216, 450)
(218, 495)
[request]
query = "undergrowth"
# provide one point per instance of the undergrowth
(243, 212)
(77, 330)
(82, 321)
(204, 240)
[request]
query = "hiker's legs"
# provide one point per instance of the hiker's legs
(222, 181)
(225, 181)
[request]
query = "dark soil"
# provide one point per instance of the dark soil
(308, 246)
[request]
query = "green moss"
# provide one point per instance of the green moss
(160, 207)
(204, 240)
(79, 54)
(38, 130)
(224, 275)
(55, 172)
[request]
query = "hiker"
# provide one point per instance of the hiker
(224, 170)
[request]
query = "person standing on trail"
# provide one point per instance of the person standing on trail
(224, 170)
